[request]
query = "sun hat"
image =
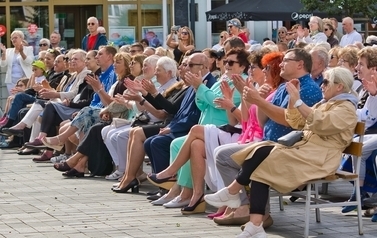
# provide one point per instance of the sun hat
(39, 64)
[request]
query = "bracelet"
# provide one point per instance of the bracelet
(233, 109)
(142, 102)
(101, 89)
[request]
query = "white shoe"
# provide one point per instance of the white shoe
(162, 200)
(115, 185)
(59, 158)
(177, 203)
(115, 176)
(223, 198)
(252, 231)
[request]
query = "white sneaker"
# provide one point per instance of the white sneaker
(59, 158)
(252, 231)
(223, 198)
(177, 203)
(115, 175)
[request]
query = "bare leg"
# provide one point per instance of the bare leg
(74, 159)
(198, 169)
(174, 191)
(135, 156)
(62, 137)
(81, 165)
(196, 132)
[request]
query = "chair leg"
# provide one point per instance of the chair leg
(281, 203)
(307, 210)
(317, 211)
(358, 199)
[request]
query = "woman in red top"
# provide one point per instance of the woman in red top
(234, 28)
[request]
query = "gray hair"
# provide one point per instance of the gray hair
(125, 48)
(19, 33)
(168, 64)
(81, 53)
(325, 45)
(45, 40)
(322, 54)
(152, 60)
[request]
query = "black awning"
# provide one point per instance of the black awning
(262, 10)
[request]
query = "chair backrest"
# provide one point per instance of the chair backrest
(356, 148)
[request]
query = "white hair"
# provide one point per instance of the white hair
(152, 60)
(45, 40)
(324, 44)
(322, 54)
(167, 64)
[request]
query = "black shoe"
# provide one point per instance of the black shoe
(15, 132)
(151, 193)
(28, 152)
(166, 183)
(159, 194)
(133, 185)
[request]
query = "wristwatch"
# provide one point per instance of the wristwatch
(298, 103)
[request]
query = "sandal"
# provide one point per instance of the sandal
(114, 176)
(62, 167)
(47, 142)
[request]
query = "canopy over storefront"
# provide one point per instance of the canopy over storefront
(262, 10)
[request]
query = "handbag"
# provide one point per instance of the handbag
(291, 138)
(230, 129)
(141, 119)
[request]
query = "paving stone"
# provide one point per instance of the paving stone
(36, 201)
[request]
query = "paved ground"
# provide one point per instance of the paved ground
(36, 201)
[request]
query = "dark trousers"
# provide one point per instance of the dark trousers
(20, 101)
(50, 120)
(158, 150)
(258, 191)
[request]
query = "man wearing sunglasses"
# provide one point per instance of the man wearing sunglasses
(93, 40)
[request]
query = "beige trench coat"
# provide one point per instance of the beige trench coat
(328, 130)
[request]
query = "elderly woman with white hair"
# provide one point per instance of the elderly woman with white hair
(316, 32)
(17, 60)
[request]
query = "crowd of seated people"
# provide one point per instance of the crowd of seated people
(203, 117)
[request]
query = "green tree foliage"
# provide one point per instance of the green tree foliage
(351, 8)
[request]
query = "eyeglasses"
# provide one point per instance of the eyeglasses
(184, 65)
(134, 51)
(332, 56)
(132, 63)
(285, 60)
(252, 67)
(230, 26)
(91, 23)
(193, 64)
(326, 29)
(66, 59)
(341, 61)
(326, 82)
(230, 62)
(43, 44)
(221, 37)
(184, 33)
(281, 32)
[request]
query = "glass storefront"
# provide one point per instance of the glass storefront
(126, 21)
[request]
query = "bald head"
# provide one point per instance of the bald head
(347, 24)
(199, 62)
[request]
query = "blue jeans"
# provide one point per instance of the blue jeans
(20, 101)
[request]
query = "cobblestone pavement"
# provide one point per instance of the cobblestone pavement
(36, 201)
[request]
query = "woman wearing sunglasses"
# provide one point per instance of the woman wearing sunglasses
(282, 35)
(185, 42)
(329, 31)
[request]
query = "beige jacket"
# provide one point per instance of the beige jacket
(328, 130)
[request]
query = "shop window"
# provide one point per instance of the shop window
(122, 28)
(26, 18)
(151, 24)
